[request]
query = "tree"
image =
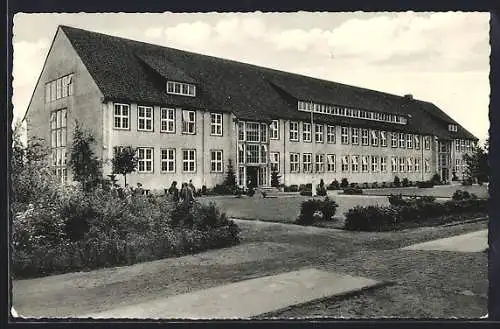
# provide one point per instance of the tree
(275, 178)
(230, 180)
(476, 164)
(85, 166)
(125, 161)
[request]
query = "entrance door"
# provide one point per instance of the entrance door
(262, 176)
(252, 175)
(444, 174)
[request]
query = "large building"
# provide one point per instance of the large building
(188, 115)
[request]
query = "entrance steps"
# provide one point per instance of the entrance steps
(267, 192)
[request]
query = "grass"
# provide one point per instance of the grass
(443, 191)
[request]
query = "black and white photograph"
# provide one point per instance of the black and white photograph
(299, 165)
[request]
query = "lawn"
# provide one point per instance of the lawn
(443, 191)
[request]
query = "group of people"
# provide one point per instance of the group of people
(185, 195)
(129, 191)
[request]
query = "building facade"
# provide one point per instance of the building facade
(190, 115)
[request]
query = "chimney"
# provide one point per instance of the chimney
(408, 96)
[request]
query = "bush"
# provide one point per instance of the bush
(308, 208)
(294, 188)
(352, 185)
(374, 185)
(334, 185)
(320, 189)
(371, 218)
(425, 184)
(384, 184)
(463, 195)
(436, 179)
(305, 192)
(204, 190)
(396, 200)
(397, 182)
(405, 182)
(353, 190)
(365, 185)
(467, 182)
(344, 183)
(251, 192)
(222, 189)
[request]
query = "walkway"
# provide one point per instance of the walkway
(470, 242)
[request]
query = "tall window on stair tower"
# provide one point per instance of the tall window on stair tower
(58, 136)
(275, 161)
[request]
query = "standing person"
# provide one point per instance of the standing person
(173, 191)
(191, 186)
(139, 190)
(186, 194)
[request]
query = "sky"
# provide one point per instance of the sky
(442, 58)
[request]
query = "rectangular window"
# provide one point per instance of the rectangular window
(53, 91)
(241, 176)
(294, 162)
(189, 161)
(167, 120)
(178, 88)
(216, 162)
(409, 141)
(275, 161)
(374, 164)
(168, 160)
(354, 163)
(145, 156)
(306, 132)
(122, 116)
(274, 130)
(394, 164)
(409, 167)
(394, 139)
(345, 163)
(241, 153)
(402, 140)
(344, 135)
(417, 164)
(364, 137)
(306, 162)
(58, 133)
(144, 118)
(216, 124)
(462, 145)
(416, 139)
(330, 165)
(383, 164)
(263, 133)
(241, 130)
(319, 133)
(294, 131)
(253, 153)
(467, 145)
(364, 163)
(330, 134)
(69, 84)
(252, 132)
(354, 136)
(263, 154)
(59, 88)
(188, 122)
(402, 164)
(427, 142)
(374, 137)
(383, 139)
(320, 162)
(427, 166)
(47, 93)
(457, 165)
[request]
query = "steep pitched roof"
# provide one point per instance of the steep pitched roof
(135, 71)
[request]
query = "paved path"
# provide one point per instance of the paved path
(246, 298)
(470, 242)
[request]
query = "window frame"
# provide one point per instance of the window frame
(309, 163)
(187, 123)
(219, 163)
(167, 120)
(331, 163)
(145, 118)
(306, 131)
(354, 136)
(121, 116)
(168, 160)
(365, 137)
(274, 130)
(331, 137)
(294, 131)
(216, 125)
(344, 135)
(319, 162)
(188, 161)
(274, 164)
(180, 85)
(319, 133)
(145, 160)
(295, 156)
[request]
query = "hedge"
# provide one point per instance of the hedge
(325, 209)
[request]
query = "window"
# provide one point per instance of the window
(58, 139)
(330, 134)
(402, 140)
(453, 128)
(216, 124)
(306, 132)
(275, 161)
(344, 135)
(274, 130)
(354, 136)
(383, 139)
(427, 142)
(374, 135)
(263, 154)
(263, 132)
(345, 163)
(383, 164)
(394, 139)
(252, 132)
(59, 88)
(354, 163)
(121, 116)
(409, 141)
(402, 164)
(374, 164)
(417, 164)
(241, 131)
(330, 164)
(144, 118)
(253, 153)
(167, 120)
(178, 88)
(364, 137)
(416, 139)
(457, 145)
(364, 163)
(168, 160)
(306, 162)
(394, 164)
(189, 161)
(467, 145)
(216, 162)
(427, 167)
(462, 145)
(409, 163)
(457, 165)
(294, 131)
(241, 153)
(320, 162)
(145, 156)
(188, 122)
(443, 159)
(294, 162)
(319, 132)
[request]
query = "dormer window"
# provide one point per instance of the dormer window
(179, 88)
(453, 128)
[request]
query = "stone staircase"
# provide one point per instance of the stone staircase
(267, 192)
